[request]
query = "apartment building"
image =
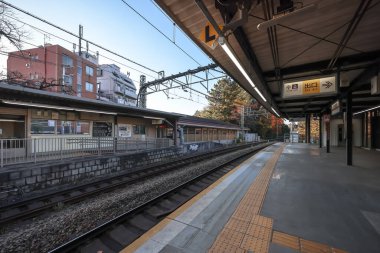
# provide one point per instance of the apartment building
(54, 68)
(115, 86)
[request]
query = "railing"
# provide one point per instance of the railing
(14, 151)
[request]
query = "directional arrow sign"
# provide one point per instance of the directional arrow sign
(209, 35)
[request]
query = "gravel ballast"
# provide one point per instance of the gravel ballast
(45, 233)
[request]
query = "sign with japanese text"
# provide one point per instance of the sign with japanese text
(124, 130)
(309, 87)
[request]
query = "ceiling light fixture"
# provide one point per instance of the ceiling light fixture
(284, 16)
(278, 115)
(370, 109)
(223, 43)
(11, 120)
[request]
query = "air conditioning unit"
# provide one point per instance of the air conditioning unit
(375, 85)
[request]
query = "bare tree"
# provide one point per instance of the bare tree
(9, 29)
(16, 78)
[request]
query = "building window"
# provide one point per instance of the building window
(73, 127)
(34, 57)
(33, 76)
(89, 87)
(79, 90)
(79, 75)
(115, 74)
(138, 129)
(43, 126)
(68, 79)
(83, 127)
(89, 71)
(102, 129)
(67, 61)
(99, 72)
(65, 127)
(79, 71)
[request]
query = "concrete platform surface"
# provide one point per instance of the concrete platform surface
(315, 196)
(195, 229)
(286, 198)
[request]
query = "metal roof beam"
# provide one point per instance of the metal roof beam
(321, 65)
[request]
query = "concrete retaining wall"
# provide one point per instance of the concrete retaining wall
(34, 177)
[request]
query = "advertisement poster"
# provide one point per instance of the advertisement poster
(125, 130)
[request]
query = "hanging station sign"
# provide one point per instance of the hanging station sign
(336, 107)
(309, 87)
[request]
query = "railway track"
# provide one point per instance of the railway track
(33, 207)
(121, 231)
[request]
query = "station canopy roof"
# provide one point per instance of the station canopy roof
(294, 57)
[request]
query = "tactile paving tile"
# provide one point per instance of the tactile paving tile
(286, 240)
(259, 232)
(262, 221)
(314, 247)
(246, 226)
(231, 237)
(237, 225)
(254, 244)
(221, 247)
(245, 215)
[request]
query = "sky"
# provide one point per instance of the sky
(115, 26)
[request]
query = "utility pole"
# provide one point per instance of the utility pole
(80, 39)
(276, 128)
(242, 112)
(142, 93)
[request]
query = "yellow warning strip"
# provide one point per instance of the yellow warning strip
(150, 233)
(302, 245)
(246, 230)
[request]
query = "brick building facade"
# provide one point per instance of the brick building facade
(54, 68)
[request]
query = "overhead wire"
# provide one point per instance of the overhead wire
(73, 34)
(41, 61)
(187, 36)
(95, 44)
(157, 29)
(63, 39)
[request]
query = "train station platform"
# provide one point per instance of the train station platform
(286, 198)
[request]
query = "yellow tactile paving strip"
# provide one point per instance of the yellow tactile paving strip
(247, 231)
(141, 240)
(302, 245)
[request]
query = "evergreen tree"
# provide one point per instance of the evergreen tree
(225, 103)
(225, 100)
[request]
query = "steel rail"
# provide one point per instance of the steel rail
(33, 207)
(135, 215)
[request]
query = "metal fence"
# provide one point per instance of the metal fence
(14, 151)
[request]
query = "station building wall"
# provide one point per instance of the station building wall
(50, 123)
(196, 134)
(335, 134)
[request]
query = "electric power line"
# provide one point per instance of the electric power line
(40, 61)
(58, 37)
(187, 36)
(72, 34)
(163, 34)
